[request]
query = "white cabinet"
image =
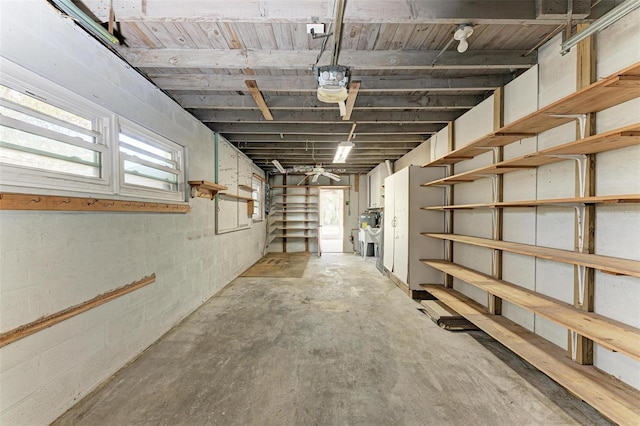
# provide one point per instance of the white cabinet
(404, 221)
(375, 180)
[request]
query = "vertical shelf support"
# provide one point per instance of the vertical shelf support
(494, 303)
(580, 347)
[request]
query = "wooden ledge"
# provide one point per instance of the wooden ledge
(611, 397)
(613, 335)
(205, 189)
(12, 201)
(566, 202)
(603, 263)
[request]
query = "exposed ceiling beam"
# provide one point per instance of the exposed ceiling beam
(362, 117)
(280, 83)
(257, 97)
(319, 138)
(329, 146)
(358, 60)
(357, 11)
(354, 86)
(323, 129)
(363, 102)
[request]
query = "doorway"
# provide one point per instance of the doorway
(331, 231)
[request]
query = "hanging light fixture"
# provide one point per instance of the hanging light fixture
(462, 34)
(332, 85)
(344, 148)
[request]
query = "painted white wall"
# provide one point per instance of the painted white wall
(418, 156)
(53, 260)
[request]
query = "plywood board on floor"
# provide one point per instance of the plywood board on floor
(281, 265)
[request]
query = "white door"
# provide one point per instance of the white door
(401, 241)
(389, 223)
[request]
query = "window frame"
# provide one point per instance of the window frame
(258, 198)
(151, 138)
(49, 93)
(107, 127)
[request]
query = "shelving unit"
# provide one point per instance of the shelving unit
(610, 396)
(293, 220)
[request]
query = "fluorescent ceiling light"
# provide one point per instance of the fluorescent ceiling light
(600, 24)
(344, 148)
(279, 166)
(85, 21)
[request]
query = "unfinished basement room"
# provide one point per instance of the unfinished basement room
(319, 212)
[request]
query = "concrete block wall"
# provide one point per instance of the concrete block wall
(54, 260)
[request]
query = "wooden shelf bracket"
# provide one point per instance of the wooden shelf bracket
(205, 189)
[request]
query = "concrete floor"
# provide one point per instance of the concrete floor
(341, 346)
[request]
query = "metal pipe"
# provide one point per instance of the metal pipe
(600, 24)
(337, 32)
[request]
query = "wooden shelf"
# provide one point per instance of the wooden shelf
(314, 186)
(246, 188)
(12, 201)
(305, 237)
(598, 96)
(567, 202)
(604, 263)
(611, 397)
(295, 195)
(249, 201)
(615, 139)
(613, 335)
(280, 211)
(289, 228)
(205, 189)
(298, 203)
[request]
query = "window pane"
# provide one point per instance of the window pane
(139, 174)
(17, 158)
(148, 158)
(146, 146)
(34, 151)
(43, 107)
(45, 124)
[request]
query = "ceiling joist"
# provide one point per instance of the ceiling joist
(311, 117)
(339, 128)
(363, 103)
(278, 83)
(358, 60)
(525, 12)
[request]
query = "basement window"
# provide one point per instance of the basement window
(257, 196)
(53, 139)
(43, 139)
(149, 163)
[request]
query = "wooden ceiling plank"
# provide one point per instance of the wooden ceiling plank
(257, 97)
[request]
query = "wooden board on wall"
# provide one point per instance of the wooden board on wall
(227, 215)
